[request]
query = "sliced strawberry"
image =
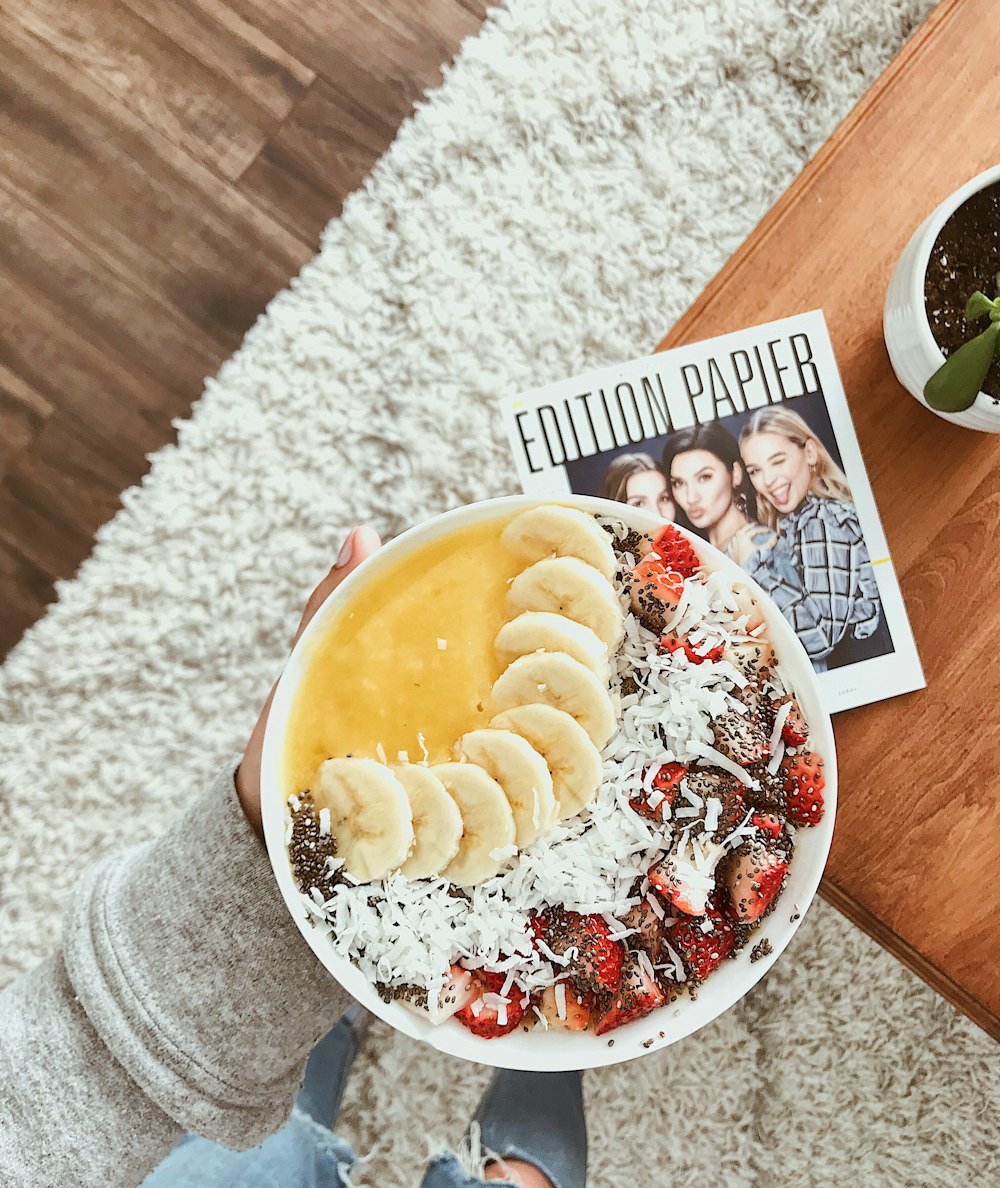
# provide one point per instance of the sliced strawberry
(795, 731)
(753, 877)
(703, 952)
(677, 551)
(649, 930)
(670, 641)
(458, 991)
(733, 810)
(666, 781)
(484, 1019)
(767, 823)
(637, 995)
(668, 778)
(681, 883)
(597, 963)
(577, 1009)
(741, 737)
(654, 586)
(804, 784)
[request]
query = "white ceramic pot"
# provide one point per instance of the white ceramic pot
(548, 1051)
(914, 354)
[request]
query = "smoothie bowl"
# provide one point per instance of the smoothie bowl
(548, 785)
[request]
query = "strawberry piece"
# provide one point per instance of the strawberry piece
(681, 883)
(667, 781)
(597, 964)
(577, 1009)
(795, 731)
(652, 579)
(767, 823)
(637, 995)
(677, 551)
(457, 992)
(741, 737)
(483, 1019)
(753, 878)
(670, 641)
(703, 952)
(804, 784)
(650, 930)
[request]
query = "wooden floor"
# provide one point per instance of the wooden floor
(166, 167)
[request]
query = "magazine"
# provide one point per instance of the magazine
(747, 441)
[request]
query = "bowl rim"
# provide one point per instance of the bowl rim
(555, 1049)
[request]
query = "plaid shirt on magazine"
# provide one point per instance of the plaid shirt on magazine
(820, 575)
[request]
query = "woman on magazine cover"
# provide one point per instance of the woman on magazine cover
(635, 479)
(707, 482)
(818, 572)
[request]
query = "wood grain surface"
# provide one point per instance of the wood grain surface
(165, 169)
(916, 851)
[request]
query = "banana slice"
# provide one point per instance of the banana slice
(543, 631)
(487, 822)
(553, 678)
(369, 816)
(570, 587)
(437, 823)
(551, 530)
(522, 773)
(573, 760)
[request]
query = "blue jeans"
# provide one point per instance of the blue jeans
(537, 1117)
(305, 1153)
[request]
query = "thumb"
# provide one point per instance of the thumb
(361, 542)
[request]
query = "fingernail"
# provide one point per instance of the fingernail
(346, 551)
(366, 536)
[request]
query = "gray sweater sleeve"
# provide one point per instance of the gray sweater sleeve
(184, 998)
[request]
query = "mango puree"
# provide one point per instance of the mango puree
(381, 675)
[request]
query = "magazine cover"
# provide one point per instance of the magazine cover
(747, 441)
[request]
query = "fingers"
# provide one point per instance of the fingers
(361, 542)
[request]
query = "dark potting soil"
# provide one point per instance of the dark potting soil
(965, 257)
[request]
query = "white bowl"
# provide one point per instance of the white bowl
(914, 354)
(553, 1050)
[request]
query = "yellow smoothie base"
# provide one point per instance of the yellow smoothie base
(380, 675)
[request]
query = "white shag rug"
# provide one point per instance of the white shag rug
(587, 166)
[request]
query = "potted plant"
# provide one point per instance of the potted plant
(942, 309)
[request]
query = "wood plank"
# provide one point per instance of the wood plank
(322, 153)
(201, 111)
(23, 413)
(25, 590)
(918, 830)
(229, 47)
(58, 494)
(101, 304)
(138, 201)
(54, 498)
(111, 401)
(383, 54)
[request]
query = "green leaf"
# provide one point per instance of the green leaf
(956, 384)
(977, 305)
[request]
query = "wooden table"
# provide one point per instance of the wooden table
(916, 851)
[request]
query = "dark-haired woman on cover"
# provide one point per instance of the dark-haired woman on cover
(706, 480)
(635, 479)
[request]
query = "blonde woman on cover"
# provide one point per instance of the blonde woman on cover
(707, 482)
(819, 572)
(635, 479)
